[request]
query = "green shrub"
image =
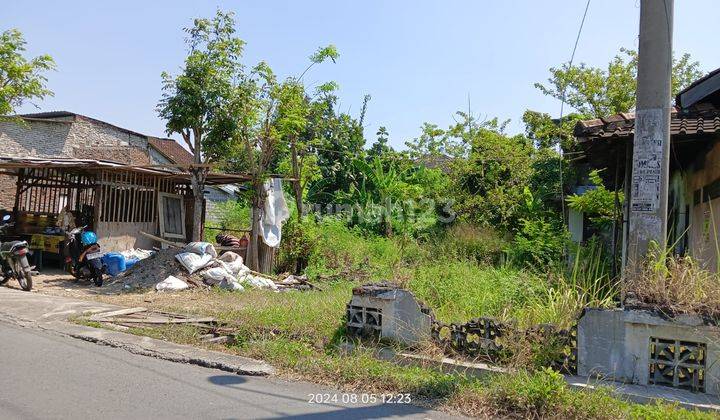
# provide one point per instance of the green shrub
(539, 243)
(341, 249)
(299, 242)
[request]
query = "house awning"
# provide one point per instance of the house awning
(179, 173)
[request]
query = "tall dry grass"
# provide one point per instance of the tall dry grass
(674, 285)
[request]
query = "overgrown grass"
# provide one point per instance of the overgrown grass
(676, 285)
(300, 332)
(543, 394)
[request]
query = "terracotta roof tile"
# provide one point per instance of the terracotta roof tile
(687, 122)
(172, 150)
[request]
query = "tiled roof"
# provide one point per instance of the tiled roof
(702, 119)
(171, 150)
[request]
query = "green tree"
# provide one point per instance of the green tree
(21, 79)
(593, 92)
(380, 147)
(596, 92)
(340, 140)
(293, 113)
(192, 101)
(489, 185)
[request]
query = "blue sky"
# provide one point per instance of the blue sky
(418, 59)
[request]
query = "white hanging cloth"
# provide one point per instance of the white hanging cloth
(274, 213)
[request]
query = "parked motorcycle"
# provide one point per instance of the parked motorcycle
(13, 259)
(83, 255)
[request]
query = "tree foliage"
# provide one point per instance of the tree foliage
(595, 92)
(21, 79)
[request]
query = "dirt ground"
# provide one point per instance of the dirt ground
(55, 281)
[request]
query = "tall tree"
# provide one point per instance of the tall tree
(594, 92)
(294, 112)
(192, 100)
(21, 79)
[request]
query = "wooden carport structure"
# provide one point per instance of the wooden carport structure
(117, 201)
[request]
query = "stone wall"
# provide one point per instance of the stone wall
(35, 138)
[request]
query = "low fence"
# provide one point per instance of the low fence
(487, 338)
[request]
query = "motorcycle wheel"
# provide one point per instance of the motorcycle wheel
(98, 280)
(24, 278)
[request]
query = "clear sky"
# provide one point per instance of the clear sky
(418, 59)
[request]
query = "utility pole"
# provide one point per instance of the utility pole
(651, 145)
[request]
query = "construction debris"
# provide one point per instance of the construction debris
(150, 271)
(212, 331)
(194, 265)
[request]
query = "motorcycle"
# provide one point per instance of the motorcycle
(13, 259)
(83, 255)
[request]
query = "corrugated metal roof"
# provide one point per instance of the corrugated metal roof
(15, 163)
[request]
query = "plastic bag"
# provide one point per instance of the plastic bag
(171, 283)
(201, 248)
(192, 261)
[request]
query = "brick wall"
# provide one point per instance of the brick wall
(8, 186)
(35, 138)
(77, 137)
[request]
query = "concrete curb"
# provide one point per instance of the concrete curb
(165, 350)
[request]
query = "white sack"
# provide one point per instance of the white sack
(201, 248)
(274, 214)
(231, 285)
(138, 253)
(192, 261)
(260, 282)
(234, 262)
(216, 275)
(171, 283)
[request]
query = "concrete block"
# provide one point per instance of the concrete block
(640, 347)
(388, 312)
(601, 343)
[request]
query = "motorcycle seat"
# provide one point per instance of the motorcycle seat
(12, 245)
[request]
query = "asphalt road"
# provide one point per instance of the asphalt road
(43, 375)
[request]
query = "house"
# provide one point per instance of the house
(117, 181)
(694, 187)
(63, 134)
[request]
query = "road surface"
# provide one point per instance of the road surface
(44, 375)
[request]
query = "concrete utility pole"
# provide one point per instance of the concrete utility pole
(651, 145)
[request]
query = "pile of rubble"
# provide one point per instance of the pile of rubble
(198, 265)
(148, 272)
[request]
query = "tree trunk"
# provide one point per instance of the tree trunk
(258, 204)
(198, 187)
(253, 246)
(297, 182)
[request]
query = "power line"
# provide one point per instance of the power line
(562, 109)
